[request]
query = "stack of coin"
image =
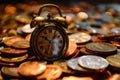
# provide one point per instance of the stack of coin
(73, 65)
(39, 70)
(89, 65)
(25, 70)
(99, 48)
(14, 51)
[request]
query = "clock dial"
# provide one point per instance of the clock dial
(49, 42)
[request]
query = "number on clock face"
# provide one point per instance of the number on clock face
(50, 42)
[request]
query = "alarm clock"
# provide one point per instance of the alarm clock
(49, 40)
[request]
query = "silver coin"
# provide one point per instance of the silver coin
(107, 17)
(93, 62)
(80, 37)
(115, 30)
(83, 25)
(27, 29)
(73, 64)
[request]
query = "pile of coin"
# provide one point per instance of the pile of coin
(93, 51)
(36, 70)
(15, 50)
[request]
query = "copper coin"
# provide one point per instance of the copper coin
(114, 60)
(31, 68)
(7, 64)
(114, 77)
(11, 52)
(83, 50)
(10, 40)
(28, 37)
(93, 62)
(63, 65)
(101, 47)
(73, 64)
(10, 71)
(76, 78)
(71, 48)
(52, 72)
(115, 41)
(21, 44)
(80, 37)
(14, 59)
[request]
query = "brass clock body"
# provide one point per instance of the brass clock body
(49, 40)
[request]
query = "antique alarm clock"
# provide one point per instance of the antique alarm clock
(49, 40)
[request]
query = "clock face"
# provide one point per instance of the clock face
(49, 42)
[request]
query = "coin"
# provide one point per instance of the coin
(114, 60)
(10, 72)
(64, 67)
(52, 72)
(83, 50)
(22, 18)
(115, 41)
(85, 26)
(71, 49)
(115, 30)
(27, 29)
(80, 37)
(101, 48)
(11, 52)
(114, 77)
(21, 44)
(73, 64)
(93, 62)
(10, 40)
(31, 68)
(76, 78)
(7, 64)
(19, 30)
(28, 37)
(14, 59)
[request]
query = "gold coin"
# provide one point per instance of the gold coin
(63, 65)
(101, 48)
(114, 60)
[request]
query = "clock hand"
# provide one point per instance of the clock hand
(44, 37)
(49, 48)
(54, 35)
